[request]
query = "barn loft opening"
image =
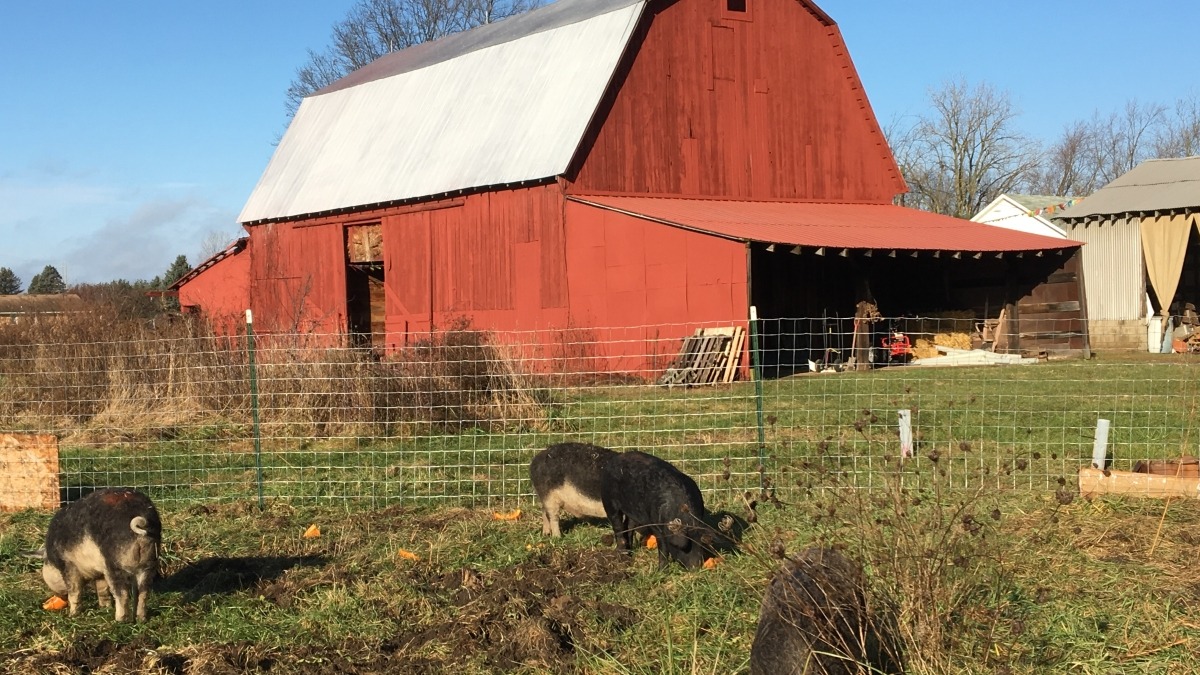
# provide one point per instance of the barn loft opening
(365, 305)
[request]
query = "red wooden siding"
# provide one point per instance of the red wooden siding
(764, 108)
(221, 293)
(638, 285)
(298, 277)
(495, 258)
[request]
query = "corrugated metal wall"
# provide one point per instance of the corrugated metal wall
(761, 104)
(1114, 273)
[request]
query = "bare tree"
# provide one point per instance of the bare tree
(373, 28)
(965, 152)
(213, 242)
(1068, 166)
(1179, 135)
(1123, 139)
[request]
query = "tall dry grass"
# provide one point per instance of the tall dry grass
(96, 378)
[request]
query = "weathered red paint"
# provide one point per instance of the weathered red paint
(729, 114)
(298, 277)
(762, 104)
(220, 291)
(712, 103)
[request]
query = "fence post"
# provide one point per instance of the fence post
(1100, 444)
(254, 406)
(906, 434)
(756, 368)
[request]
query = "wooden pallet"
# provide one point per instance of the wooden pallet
(707, 357)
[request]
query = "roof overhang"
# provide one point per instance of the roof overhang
(837, 226)
(232, 249)
(1155, 185)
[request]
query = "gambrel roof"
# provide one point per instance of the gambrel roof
(502, 104)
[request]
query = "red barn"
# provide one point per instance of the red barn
(602, 166)
(219, 288)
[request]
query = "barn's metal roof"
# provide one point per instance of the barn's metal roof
(1153, 185)
(826, 224)
(502, 104)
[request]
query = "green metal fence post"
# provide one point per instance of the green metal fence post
(254, 406)
(756, 368)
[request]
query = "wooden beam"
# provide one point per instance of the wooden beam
(1093, 481)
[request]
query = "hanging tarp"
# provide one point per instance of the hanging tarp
(1164, 245)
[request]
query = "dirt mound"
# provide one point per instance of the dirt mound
(532, 614)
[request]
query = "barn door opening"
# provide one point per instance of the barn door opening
(365, 306)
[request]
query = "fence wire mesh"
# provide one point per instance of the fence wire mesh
(455, 417)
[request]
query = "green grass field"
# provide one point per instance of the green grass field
(992, 562)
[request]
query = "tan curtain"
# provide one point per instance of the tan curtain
(1164, 243)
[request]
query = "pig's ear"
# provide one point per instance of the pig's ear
(675, 526)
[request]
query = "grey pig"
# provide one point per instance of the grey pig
(110, 537)
(566, 477)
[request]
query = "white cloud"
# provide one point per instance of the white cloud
(93, 230)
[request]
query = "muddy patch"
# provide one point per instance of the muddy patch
(533, 615)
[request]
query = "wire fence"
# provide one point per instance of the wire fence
(455, 416)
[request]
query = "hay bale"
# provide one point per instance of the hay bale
(925, 348)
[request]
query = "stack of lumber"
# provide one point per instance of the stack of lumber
(707, 357)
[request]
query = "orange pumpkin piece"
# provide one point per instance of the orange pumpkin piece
(312, 532)
(711, 563)
(511, 515)
(54, 604)
(407, 554)
(651, 542)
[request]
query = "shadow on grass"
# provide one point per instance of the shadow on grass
(565, 525)
(221, 575)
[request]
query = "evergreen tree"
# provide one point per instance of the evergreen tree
(176, 271)
(48, 281)
(10, 283)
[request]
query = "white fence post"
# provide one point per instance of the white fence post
(1100, 445)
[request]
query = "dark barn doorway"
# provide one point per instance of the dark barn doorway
(365, 304)
(808, 299)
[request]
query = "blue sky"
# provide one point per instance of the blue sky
(132, 132)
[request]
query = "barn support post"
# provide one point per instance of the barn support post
(254, 406)
(756, 367)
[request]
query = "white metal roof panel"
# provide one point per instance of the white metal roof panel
(504, 113)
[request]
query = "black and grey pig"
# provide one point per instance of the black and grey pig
(816, 618)
(566, 477)
(644, 493)
(110, 537)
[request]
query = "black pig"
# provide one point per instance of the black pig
(110, 537)
(643, 493)
(566, 477)
(815, 618)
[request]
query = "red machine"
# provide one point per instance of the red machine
(898, 347)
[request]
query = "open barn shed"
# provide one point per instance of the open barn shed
(1142, 259)
(620, 170)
